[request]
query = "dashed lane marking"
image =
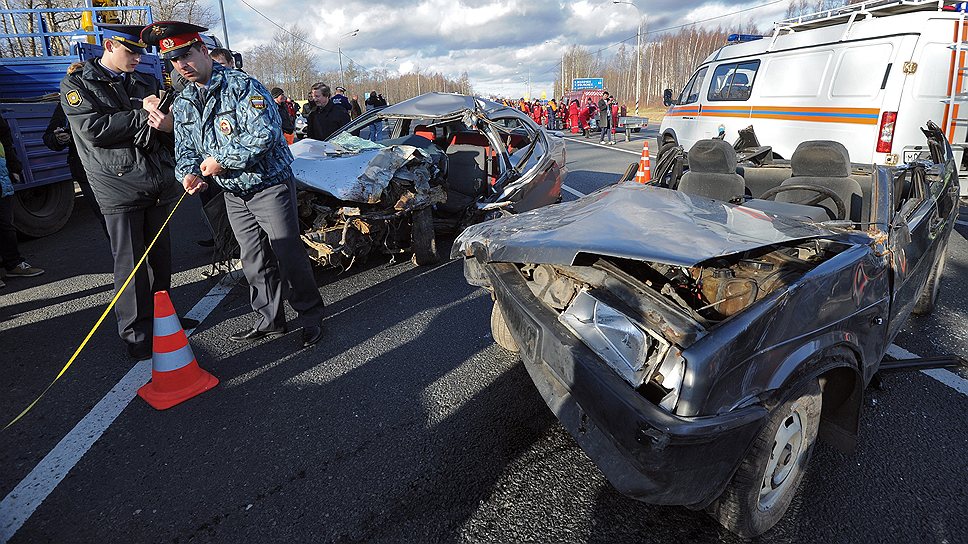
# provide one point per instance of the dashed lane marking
(24, 500)
(572, 191)
(944, 376)
(612, 147)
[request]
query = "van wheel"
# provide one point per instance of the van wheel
(767, 479)
(501, 332)
(929, 293)
(423, 239)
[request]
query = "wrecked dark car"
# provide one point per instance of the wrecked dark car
(697, 341)
(394, 178)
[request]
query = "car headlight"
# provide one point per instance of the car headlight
(669, 376)
(631, 350)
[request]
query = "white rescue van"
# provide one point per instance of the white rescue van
(868, 75)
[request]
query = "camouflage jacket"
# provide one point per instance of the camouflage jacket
(235, 121)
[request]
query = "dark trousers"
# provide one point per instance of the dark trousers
(267, 229)
(130, 234)
(9, 251)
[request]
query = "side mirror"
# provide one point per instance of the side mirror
(667, 97)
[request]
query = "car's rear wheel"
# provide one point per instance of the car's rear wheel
(500, 330)
(767, 479)
(422, 238)
(929, 294)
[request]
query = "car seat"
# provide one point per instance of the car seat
(425, 131)
(826, 164)
(712, 172)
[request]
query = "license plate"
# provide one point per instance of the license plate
(915, 155)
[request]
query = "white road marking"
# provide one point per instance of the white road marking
(21, 503)
(612, 147)
(24, 500)
(944, 376)
(962, 223)
(572, 191)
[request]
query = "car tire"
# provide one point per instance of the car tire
(422, 238)
(929, 293)
(43, 210)
(501, 332)
(751, 505)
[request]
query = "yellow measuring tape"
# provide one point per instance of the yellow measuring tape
(103, 315)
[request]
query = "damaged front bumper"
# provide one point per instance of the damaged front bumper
(645, 452)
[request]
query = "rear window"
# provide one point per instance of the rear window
(733, 81)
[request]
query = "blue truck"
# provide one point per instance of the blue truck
(29, 92)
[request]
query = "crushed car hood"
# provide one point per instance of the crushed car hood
(631, 221)
(358, 177)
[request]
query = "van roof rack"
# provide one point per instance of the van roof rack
(872, 8)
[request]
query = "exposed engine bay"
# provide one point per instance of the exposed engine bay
(709, 292)
(393, 195)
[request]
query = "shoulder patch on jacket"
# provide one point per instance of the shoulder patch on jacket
(258, 102)
(74, 98)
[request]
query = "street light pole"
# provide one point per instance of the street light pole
(638, 66)
(386, 83)
(638, 53)
(339, 52)
(225, 31)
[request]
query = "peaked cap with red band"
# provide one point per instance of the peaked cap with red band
(172, 37)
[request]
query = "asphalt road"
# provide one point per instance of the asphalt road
(407, 423)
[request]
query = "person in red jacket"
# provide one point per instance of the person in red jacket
(584, 114)
(573, 116)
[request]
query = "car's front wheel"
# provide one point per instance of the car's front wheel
(767, 479)
(423, 239)
(500, 330)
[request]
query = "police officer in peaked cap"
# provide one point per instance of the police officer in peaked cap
(107, 103)
(228, 130)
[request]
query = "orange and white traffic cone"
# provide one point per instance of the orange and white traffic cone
(644, 175)
(175, 374)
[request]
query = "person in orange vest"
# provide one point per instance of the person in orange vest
(552, 112)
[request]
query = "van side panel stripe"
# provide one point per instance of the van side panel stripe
(857, 116)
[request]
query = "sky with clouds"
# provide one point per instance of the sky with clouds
(498, 42)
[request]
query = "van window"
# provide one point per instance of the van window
(690, 93)
(733, 81)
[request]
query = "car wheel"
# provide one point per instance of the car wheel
(422, 238)
(767, 479)
(500, 330)
(929, 293)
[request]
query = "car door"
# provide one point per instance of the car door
(687, 108)
(914, 249)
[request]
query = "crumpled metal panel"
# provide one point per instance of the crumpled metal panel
(632, 221)
(358, 177)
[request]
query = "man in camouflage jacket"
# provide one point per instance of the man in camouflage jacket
(228, 130)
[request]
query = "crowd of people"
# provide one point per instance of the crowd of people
(562, 114)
